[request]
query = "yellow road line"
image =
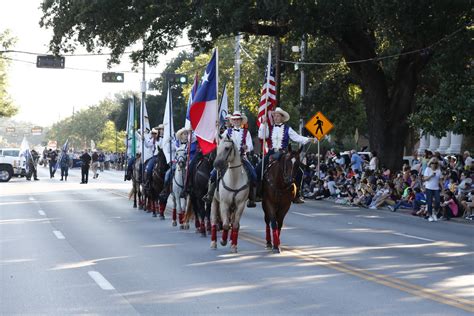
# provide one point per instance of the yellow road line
(388, 281)
(431, 294)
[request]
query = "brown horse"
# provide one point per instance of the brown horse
(152, 192)
(279, 190)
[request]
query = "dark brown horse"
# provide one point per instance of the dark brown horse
(152, 192)
(279, 190)
(200, 178)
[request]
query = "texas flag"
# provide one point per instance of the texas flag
(203, 110)
(187, 123)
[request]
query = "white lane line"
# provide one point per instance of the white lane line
(100, 280)
(414, 237)
(58, 234)
(303, 214)
(42, 213)
(31, 198)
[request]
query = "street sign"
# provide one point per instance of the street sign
(10, 130)
(113, 77)
(36, 131)
(50, 61)
(319, 125)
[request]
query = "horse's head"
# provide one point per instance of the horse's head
(289, 165)
(226, 152)
(181, 158)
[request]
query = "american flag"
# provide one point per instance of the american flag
(269, 90)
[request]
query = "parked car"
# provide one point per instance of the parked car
(11, 164)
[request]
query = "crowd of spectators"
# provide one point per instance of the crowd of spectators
(431, 186)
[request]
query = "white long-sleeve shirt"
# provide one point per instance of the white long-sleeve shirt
(278, 135)
(154, 145)
(237, 136)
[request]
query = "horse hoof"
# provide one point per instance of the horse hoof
(134, 206)
(181, 226)
(233, 249)
(154, 215)
(186, 227)
(213, 245)
(162, 217)
(174, 223)
(223, 243)
(203, 234)
(140, 207)
(276, 250)
(269, 246)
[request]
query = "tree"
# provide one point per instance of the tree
(7, 108)
(363, 31)
(112, 140)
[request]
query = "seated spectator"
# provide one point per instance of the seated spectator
(449, 207)
(406, 201)
(419, 201)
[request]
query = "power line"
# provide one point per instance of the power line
(420, 50)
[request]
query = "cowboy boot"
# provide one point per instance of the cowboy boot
(210, 192)
(252, 195)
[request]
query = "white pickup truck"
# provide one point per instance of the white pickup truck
(11, 164)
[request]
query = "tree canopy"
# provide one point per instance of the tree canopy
(7, 108)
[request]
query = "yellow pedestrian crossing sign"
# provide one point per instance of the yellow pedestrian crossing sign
(319, 125)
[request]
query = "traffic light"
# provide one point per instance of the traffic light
(50, 61)
(177, 78)
(113, 77)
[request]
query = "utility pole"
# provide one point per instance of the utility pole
(237, 63)
(302, 82)
(142, 118)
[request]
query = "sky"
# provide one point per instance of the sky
(46, 95)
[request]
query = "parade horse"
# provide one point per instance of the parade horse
(233, 190)
(136, 184)
(153, 202)
(279, 190)
(199, 179)
(178, 186)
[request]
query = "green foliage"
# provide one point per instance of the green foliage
(86, 125)
(112, 140)
(7, 108)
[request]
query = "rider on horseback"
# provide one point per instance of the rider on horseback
(182, 137)
(155, 142)
(278, 136)
(243, 140)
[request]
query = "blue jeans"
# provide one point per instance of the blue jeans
(150, 164)
(169, 174)
(404, 204)
(430, 194)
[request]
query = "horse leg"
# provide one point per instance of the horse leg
(162, 207)
(268, 236)
(153, 207)
(234, 237)
(276, 237)
(214, 219)
(225, 222)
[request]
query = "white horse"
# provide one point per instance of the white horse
(230, 199)
(178, 186)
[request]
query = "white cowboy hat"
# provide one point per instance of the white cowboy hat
(161, 126)
(283, 113)
(154, 131)
(237, 115)
(180, 132)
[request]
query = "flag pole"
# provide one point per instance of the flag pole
(170, 114)
(217, 97)
(126, 144)
(266, 108)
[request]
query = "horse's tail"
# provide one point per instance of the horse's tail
(189, 211)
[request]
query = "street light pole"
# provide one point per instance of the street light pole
(302, 83)
(237, 63)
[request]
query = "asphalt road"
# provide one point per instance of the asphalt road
(70, 248)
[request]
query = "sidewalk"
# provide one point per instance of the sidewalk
(386, 209)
